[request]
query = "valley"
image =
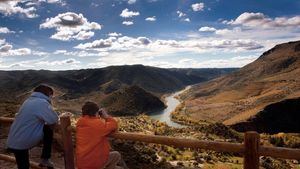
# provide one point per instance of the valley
(207, 104)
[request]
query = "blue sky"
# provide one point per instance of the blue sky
(65, 34)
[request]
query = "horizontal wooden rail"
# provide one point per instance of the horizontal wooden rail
(12, 159)
(181, 142)
(278, 152)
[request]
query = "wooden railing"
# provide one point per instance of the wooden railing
(251, 148)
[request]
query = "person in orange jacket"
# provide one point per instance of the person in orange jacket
(92, 145)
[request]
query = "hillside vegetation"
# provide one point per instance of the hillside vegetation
(238, 96)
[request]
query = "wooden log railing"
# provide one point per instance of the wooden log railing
(251, 148)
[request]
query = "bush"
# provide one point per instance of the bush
(276, 141)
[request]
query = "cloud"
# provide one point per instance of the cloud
(6, 49)
(144, 40)
(70, 26)
(115, 34)
(79, 53)
(183, 16)
(83, 35)
(198, 7)
(131, 1)
(237, 61)
(115, 44)
(127, 23)
(2, 41)
(152, 19)
(57, 52)
(187, 20)
(13, 7)
(97, 44)
(70, 61)
(228, 31)
(259, 20)
(5, 30)
(54, 2)
(180, 14)
(163, 47)
(39, 53)
(128, 14)
(207, 29)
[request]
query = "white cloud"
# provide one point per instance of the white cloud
(131, 1)
(237, 61)
(164, 47)
(81, 53)
(57, 52)
(5, 30)
(39, 53)
(2, 41)
(183, 17)
(83, 35)
(180, 14)
(97, 44)
(259, 20)
(24, 7)
(70, 61)
(115, 34)
(13, 7)
(54, 1)
(7, 49)
(128, 14)
(115, 44)
(207, 29)
(198, 6)
(127, 23)
(71, 26)
(226, 31)
(153, 18)
(187, 20)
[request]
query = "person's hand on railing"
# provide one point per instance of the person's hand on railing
(66, 114)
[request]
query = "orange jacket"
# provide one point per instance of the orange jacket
(92, 146)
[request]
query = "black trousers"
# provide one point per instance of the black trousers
(22, 156)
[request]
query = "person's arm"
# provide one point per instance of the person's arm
(110, 125)
(47, 114)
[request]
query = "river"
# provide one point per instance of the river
(164, 115)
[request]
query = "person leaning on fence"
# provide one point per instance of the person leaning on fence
(92, 146)
(33, 123)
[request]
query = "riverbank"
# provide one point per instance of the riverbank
(171, 102)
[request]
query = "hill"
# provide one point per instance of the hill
(131, 100)
(156, 80)
(274, 118)
(238, 96)
(76, 86)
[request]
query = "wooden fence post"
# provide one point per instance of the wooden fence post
(66, 131)
(251, 154)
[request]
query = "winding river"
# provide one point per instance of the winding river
(164, 115)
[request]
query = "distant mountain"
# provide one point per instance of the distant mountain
(78, 82)
(238, 96)
(131, 100)
(73, 87)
